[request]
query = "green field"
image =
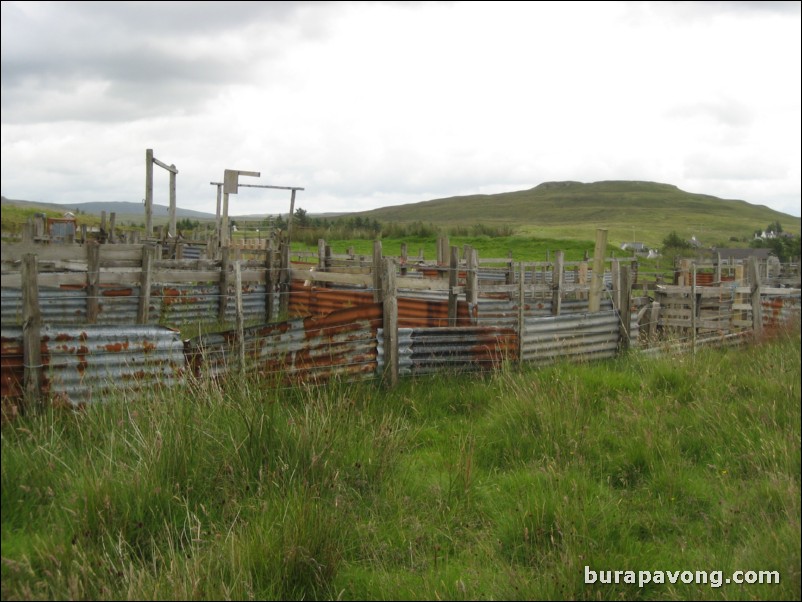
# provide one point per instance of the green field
(503, 486)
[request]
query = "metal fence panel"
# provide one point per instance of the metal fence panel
(84, 363)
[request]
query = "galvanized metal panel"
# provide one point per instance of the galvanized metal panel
(428, 350)
(579, 336)
(88, 363)
(340, 344)
(780, 310)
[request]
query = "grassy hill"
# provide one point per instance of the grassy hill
(642, 211)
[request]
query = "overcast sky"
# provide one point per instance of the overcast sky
(373, 104)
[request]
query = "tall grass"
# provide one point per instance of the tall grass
(502, 486)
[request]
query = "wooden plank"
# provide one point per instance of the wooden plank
(335, 277)
(14, 252)
(757, 308)
(377, 267)
(31, 334)
(557, 283)
(143, 310)
(390, 321)
(92, 282)
(597, 278)
(224, 280)
(269, 283)
(626, 304)
(239, 316)
(453, 272)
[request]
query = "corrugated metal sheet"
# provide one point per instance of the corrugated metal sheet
(578, 336)
(780, 310)
(502, 312)
(320, 301)
(82, 364)
(169, 304)
(428, 350)
(313, 349)
(12, 371)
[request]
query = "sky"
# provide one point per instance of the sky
(372, 104)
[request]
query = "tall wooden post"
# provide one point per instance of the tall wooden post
(240, 317)
(453, 299)
(224, 280)
(143, 312)
(625, 304)
(597, 278)
(173, 172)
(112, 226)
(92, 282)
(289, 217)
(757, 309)
(521, 310)
(377, 270)
(693, 306)
(31, 333)
(285, 279)
(557, 283)
(149, 193)
(224, 230)
(269, 282)
(472, 284)
(390, 321)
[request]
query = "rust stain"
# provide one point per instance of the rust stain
(116, 347)
(118, 292)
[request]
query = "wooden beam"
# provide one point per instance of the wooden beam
(597, 278)
(31, 334)
(390, 321)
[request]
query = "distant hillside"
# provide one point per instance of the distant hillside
(630, 210)
(126, 209)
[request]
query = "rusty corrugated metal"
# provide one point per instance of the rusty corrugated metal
(174, 304)
(780, 310)
(313, 349)
(12, 367)
(83, 364)
(320, 301)
(587, 336)
(428, 350)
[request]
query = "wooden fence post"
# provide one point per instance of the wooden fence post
(92, 282)
(224, 280)
(390, 321)
(625, 304)
(521, 310)
(757, 309)
(142, 314)
(240, 317)
(285, 279)
(403, 259)
(377, 270)
(112, 225)
(615, 275)
(453, 299)
(597, 278)
(321, 254)
(582, 280)
(654, 317)
(694, 306)
(269, 282)
(31, 333)
(557, 283)
(472, 284)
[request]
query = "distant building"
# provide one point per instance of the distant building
(638, 247)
